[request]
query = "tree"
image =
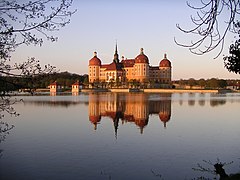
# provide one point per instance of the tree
(232, 62)
(118, 82)
(213, 83)
(152, 83)
(86, 80)
(182, 83)
(222, 83)
(111, 83)
(103, 84)
(207, 29)
(215, 169)
(210, 35)
(27, 23)
(191, 82)
(202, 82)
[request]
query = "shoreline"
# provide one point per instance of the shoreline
(40, 93)
(159, 90)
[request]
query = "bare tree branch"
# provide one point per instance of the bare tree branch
(23, 23)
(29, 23)
(207, 25)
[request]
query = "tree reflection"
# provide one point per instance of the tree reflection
(214, 103)
(217, 99)
(201, 102)
(191, 102)
(6, 108)
(5, 129)
(216, 169)
(53, 103)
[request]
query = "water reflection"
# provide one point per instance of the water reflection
(58, 130)
(53, 103)
(130, 108)
(215, 100)
(56, 101)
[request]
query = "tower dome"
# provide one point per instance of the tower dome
(95, 120)
(141, 58)
(165, 62)
(95, 61)
(141, 123)
(164, 117)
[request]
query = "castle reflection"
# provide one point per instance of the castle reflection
(130, 108)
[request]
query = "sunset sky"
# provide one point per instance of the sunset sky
(135, 24)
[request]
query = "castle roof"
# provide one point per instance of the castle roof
(54, 83)
(95, 119)
(128, 62)
(95, 61)
(77, 83)
(113, 66)
(141, 58)
(165, 62)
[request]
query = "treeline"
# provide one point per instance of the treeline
(213, 83)
(40, 81)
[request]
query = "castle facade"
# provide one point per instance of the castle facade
(138, 69)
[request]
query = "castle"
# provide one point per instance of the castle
(137, 69)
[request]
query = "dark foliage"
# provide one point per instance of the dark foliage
(208, 83)
(232, 62)
(40, 81)
(216, 169)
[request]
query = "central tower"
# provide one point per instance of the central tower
(116, 59)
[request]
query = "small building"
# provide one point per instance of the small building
(55, 87)
(76, 87)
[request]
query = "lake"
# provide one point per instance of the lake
(121, 136)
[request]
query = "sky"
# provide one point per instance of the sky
(150, 24)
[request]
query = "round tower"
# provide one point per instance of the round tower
(165, 110)
(141, 67)
(94, 68)
(165, 71)
(93, 110)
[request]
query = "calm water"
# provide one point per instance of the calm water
(121, 136)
